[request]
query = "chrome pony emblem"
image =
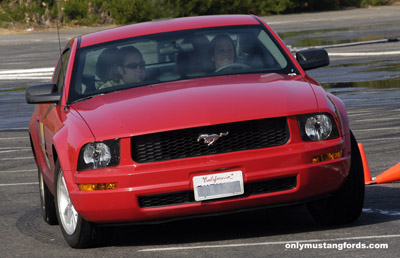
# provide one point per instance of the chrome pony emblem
(209, 139)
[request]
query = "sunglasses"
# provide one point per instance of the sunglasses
(135, 65)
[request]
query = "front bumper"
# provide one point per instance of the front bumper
(136, 181)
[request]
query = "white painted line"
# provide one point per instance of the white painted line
(361, 114)
(377, 119)
(14, 129)
(23, 71)
(332, 19)
(15, 148)
(264, 243)
(8, 151)
(14, 138)
(16, 184)
(25, 78)
(24, 74)
(27, 74)
(378, 129)
(381, 139)
(5, 78)
(382, 212)
(18, 171)
(4, 159)
(352, 112)
(388, 53)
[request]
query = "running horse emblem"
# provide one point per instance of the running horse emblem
(210, 139)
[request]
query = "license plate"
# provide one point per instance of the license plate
(219, 185)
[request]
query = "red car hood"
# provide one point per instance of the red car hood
(193, 103)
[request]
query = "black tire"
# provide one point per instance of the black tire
(79, 233)
(47, 202)
(345, 205)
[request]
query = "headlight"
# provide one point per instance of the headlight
(99, 155)
(317, 127)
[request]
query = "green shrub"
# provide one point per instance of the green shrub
(91, 12)
(275, 6)
(28, 12)
(81, 12)
(128, 11)
(12, 13)
(213, 7)
(365, 3)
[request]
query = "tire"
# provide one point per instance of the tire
(345, 205)
(77, 232)
(47, 202)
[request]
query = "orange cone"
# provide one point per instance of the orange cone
(390, 175)
(367, 174)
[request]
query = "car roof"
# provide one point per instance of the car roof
(161, 26)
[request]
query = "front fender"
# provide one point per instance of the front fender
(67, 143)
(328, 102)
(341, 112)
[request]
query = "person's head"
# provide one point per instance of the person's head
(107, 65)
(199, 56)
(222, 50)
(132, 67)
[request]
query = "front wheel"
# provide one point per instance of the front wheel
(345, 205)
(77, 232)
(47, 202)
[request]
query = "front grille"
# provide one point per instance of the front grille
(179, 144)
(262, 187)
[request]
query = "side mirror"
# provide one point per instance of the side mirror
(45, 93)
(312, 58)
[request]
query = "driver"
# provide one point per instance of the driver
(130, 68)
(222, 51)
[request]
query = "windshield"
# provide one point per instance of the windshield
(181, 55)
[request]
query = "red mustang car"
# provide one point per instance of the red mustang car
(187, 117)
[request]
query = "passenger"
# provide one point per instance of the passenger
(107, 68)
(222, 51)
(128, 68)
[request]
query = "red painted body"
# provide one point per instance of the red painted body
(185, 104)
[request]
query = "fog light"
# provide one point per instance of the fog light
(327, 156)
(95, 187)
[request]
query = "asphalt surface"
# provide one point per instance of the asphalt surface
(367, 83)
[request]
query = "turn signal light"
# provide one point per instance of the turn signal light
(95, 187)
(327, 156)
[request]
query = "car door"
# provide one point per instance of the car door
(50, 118)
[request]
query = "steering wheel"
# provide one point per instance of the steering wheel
(233, 66)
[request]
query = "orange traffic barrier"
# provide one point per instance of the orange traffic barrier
(390, 175)
(367, 174)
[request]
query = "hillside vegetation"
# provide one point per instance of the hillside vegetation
(47, 13)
